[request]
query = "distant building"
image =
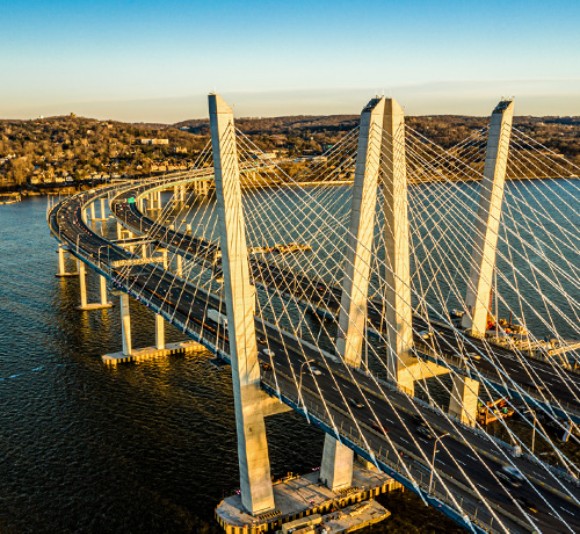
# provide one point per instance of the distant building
(154, 141)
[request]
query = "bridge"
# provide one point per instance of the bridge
(341, 306)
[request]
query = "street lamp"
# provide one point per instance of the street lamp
(437, 439)
(300, 398)
(533, 430)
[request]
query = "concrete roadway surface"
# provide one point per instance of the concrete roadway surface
(562, 387)
(401, 416)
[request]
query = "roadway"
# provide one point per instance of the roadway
(187, 307)
(501, 367)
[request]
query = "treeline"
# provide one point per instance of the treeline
(70, 148)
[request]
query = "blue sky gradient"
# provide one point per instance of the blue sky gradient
(155, 61)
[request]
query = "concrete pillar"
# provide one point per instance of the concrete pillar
(92, 209)
(103, 209)
(82, 285)
(159, 332)
(62, 272)
(125, 324)
(61, 262)
(337, 464)
(463, 402)
(103, 290)
(188, 229)
(337, 460)
(398, 313)
(178, 265)
(355, 283)
(254, 463)
(488, 217)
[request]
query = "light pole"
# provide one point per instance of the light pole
(300, 399)
(534, 430)
(437, 440)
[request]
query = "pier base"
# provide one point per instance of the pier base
(304, 498)
(152, 353)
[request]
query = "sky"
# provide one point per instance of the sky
(155, 61)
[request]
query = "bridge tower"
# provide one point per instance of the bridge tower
(487, 222)
(254, 463)
(337, 459)
(380, 159)
(397, 297)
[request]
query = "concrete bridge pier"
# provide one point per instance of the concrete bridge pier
(463, 402)
(62, 272)
(486, 232)
(257, 495)
(159, 332)
(179, 265)
(179, 194)
(84, 305)
(336, 469)
(103, 209)
(125, 324)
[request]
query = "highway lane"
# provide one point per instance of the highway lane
(562, 386)
(162, 290)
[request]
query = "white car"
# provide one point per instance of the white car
(269, 352)
(513, 472)
(315, 371)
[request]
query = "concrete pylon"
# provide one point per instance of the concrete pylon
(337, 459)
(82, 285)
(463, 401)
(355, 283)
(62, 272)
(125, 324)
(255, 484)
(159, 332)
(487, 222)
(398, 313)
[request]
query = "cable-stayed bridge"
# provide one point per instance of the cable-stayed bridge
(338, 299)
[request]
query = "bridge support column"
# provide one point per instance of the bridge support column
(84, 305)
(337, 464)
(188, 229)
(487, 222)
(179, 265)
(125, 324)
(398, 313)
(463, 402)
(159, 332)
(103, 209)
(103, 291)
(256, 487)
(92, 211)
(62, 272)
(82, 285)
(337, 459)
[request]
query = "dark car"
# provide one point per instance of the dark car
(425, 432)
(356, 403)
(379, 427)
